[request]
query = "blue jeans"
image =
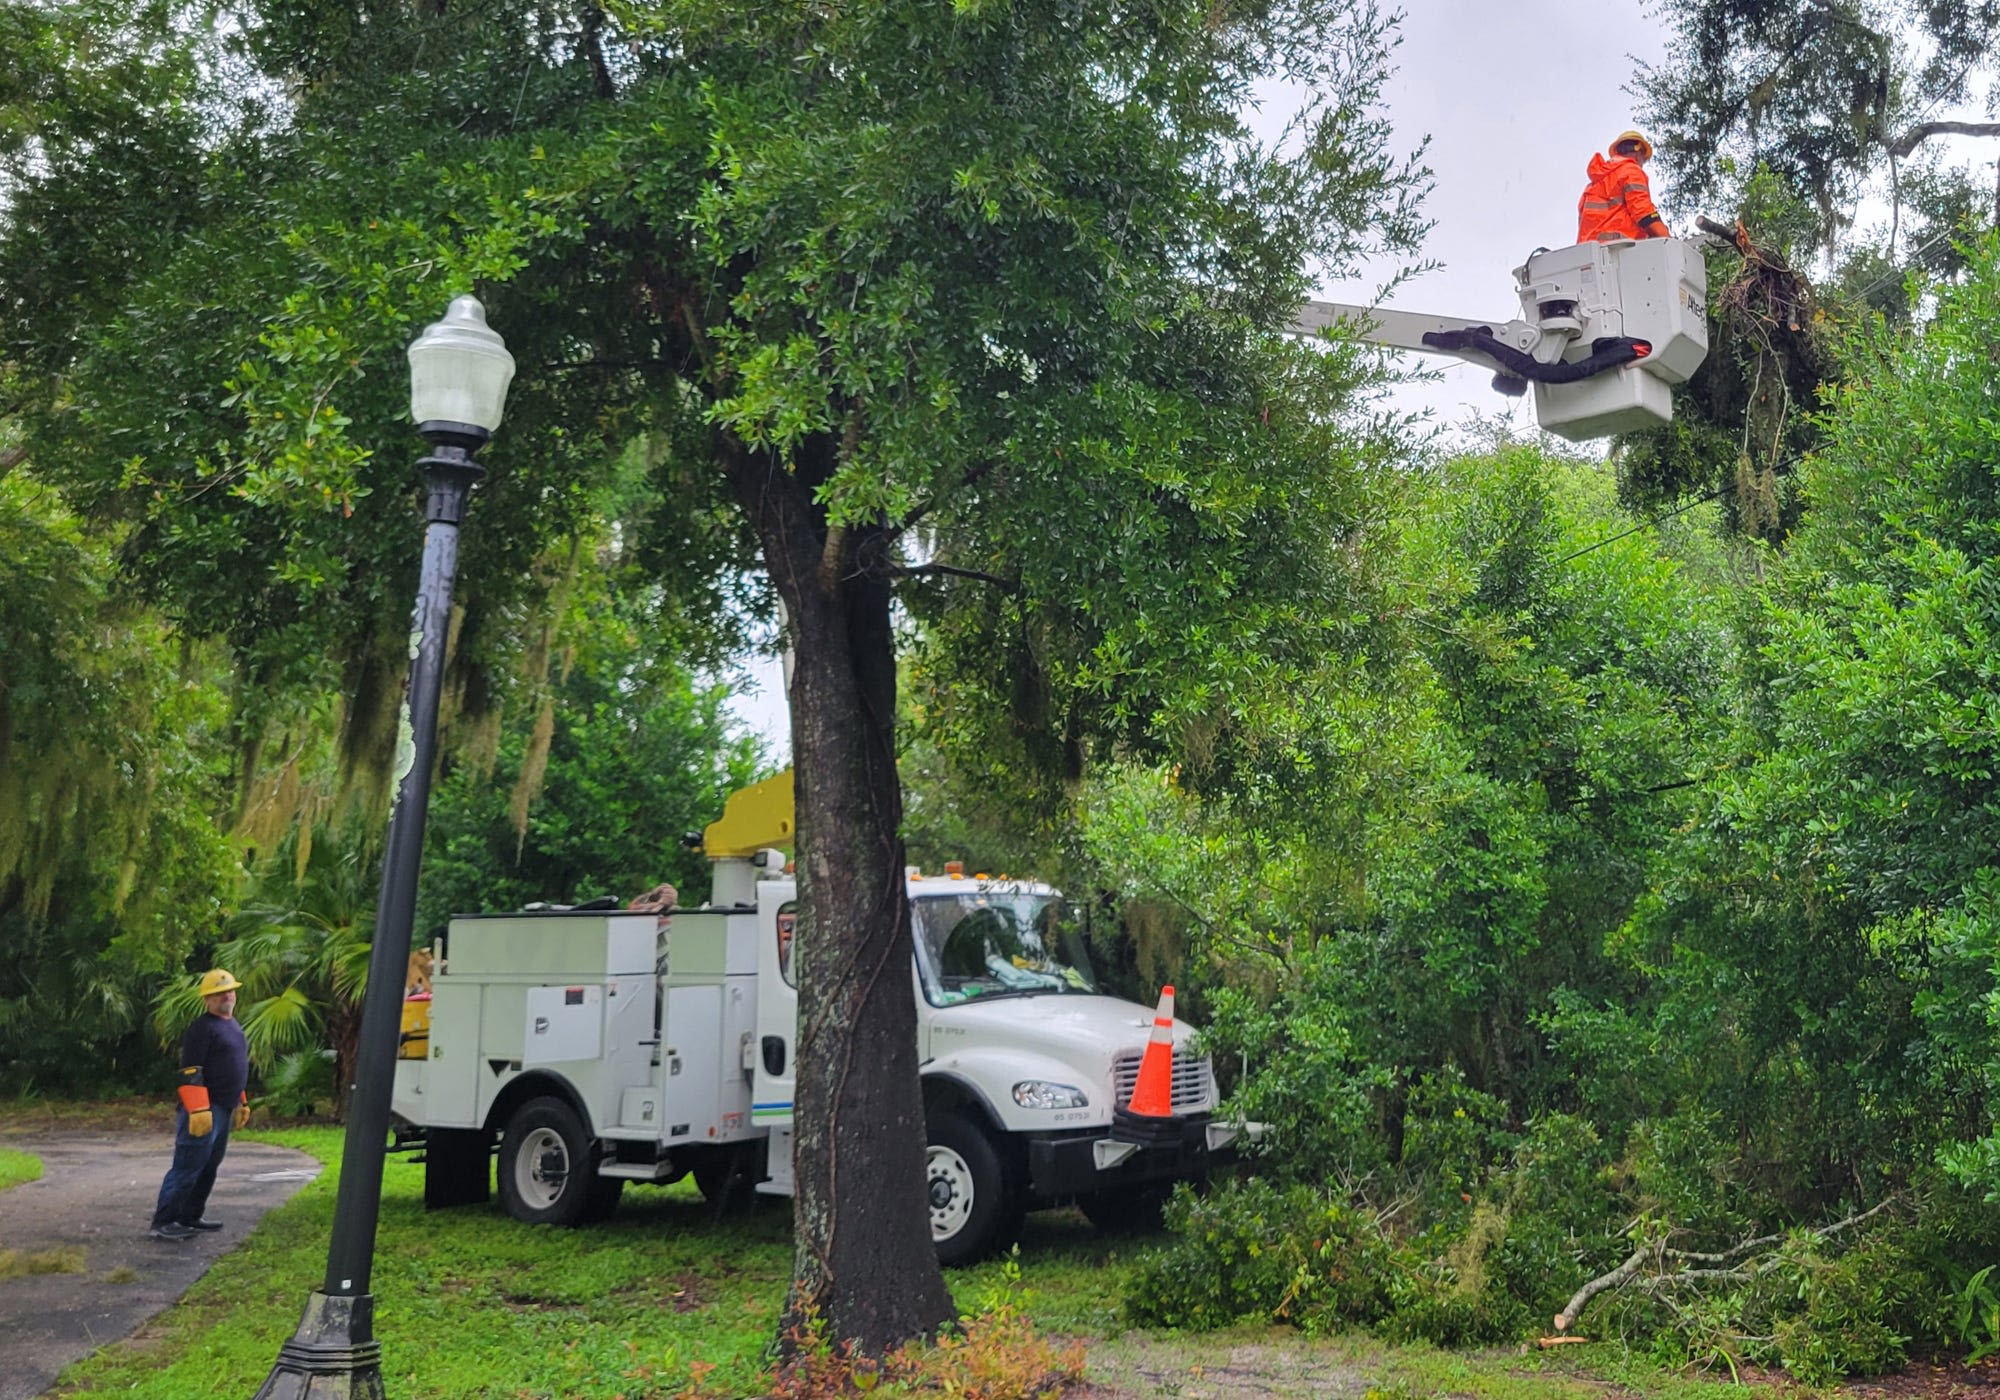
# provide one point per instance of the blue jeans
(184, 1193)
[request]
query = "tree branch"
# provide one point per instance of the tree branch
(1923, 131)
(924, 508)
(951, 571)
(593, 48)
(1724, 1259)
(1621, 1275)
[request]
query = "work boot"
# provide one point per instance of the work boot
(172, 1231)
(201, 1224)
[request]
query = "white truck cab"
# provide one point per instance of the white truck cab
(601, 1046)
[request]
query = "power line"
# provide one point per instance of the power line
(1782, 469)
(1853, 298)
(1682, 509)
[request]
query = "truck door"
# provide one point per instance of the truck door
(776, 1045)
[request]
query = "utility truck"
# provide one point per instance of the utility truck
(592, 1047)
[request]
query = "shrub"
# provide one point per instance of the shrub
(1256, 1250)
(299, 1085)
(1309, 1076)
(1453, 1135)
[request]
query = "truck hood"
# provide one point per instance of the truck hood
(1087, 1031)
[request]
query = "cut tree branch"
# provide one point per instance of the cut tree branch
(1657, 1251)
(1619, 1276)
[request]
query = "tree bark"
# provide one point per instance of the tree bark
(865, 1268)
(345, 1033)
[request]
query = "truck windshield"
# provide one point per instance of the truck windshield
(987, 943)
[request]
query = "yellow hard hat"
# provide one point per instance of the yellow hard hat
(1645, 146)
(217, 980)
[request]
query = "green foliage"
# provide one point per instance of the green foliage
(1831, 1317)
(300, 1085)
(1975, 1316)
(113, 750)
(1818, 91)
(1473, 1269)
(634, 756)
(1260, 1251)
(1847, 842)
(1501, 777)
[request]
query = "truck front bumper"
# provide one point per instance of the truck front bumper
(1181, 1149)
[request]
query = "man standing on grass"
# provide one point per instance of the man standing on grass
(215, 1070)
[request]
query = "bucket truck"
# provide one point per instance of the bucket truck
(1605, 331)
(591, 1047)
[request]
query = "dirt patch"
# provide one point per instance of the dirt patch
(535, 1302)
(1939, 1379)
(139, 1113)
(1145, 1366)
(1139, 1366)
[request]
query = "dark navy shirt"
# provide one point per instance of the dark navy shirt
(217, 1045)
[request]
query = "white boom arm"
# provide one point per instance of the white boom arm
(1406, 330)
(1605, 330)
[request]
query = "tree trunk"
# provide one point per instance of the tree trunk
(865, 1268)
(344, 1031)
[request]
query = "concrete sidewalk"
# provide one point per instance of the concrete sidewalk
(96, 1195)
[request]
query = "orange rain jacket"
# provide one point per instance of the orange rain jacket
(1618, 203)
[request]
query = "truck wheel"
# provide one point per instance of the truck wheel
(547, 1164)
(1128, 1212)
(974, 1208)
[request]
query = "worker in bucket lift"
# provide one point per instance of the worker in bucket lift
(1618, 203)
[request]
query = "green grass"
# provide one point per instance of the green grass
(15, 1264)
(468, 1303)
(18, 1167)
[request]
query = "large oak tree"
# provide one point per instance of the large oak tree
(966, 315)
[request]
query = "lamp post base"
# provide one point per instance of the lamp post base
(332, 1356)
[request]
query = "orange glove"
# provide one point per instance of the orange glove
(240, 1116)
(200, 1123)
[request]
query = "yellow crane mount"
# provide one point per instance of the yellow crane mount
(753, 818)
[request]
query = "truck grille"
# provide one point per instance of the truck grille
(1194, 1080)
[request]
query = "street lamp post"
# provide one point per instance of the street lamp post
(459, 373)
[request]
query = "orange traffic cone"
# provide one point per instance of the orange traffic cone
(1153, 1091)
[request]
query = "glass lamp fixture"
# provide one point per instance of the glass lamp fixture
(459, 373)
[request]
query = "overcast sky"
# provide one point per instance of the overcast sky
(1515, 98)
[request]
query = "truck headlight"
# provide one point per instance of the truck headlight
(1039, 1093)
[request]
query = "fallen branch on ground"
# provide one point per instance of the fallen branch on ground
(1671, 1264)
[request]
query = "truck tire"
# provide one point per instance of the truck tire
(1133, 1210)
(548, 1165)
(975, 1205)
